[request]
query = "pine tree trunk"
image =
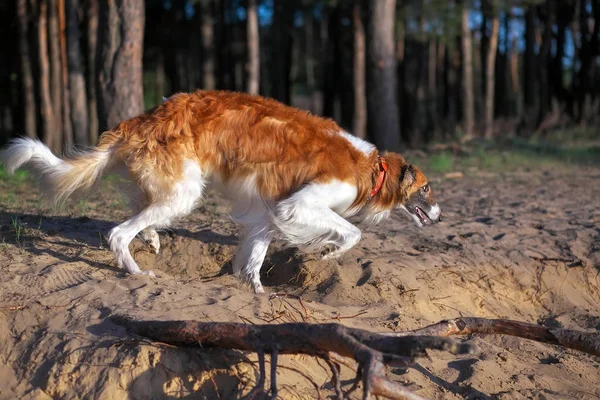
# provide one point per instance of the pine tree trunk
(311, 79)
(77, 95)
(331, 39)
(359, 123)
(432, 85)
(382, 103)
(51, 135)
(92, 39)
(440, 88)
(544, 59)
(531, 98)
(64, 77)
(514, 77)
(507, 105)
(452, 87)
(208, 44)
(55, 68)
(29, 112)
(467, 51)
(253, 48)
(281, 56)
(120, 89)
(420, 108)
(403, 105)
(490, 78)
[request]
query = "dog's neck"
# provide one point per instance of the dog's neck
(390, 194)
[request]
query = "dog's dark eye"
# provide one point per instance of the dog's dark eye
(425, 188)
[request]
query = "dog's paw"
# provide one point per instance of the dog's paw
(258, 287)
(149, 273)
(152, 240)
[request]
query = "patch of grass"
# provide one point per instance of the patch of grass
(9, 198)
(511, 155)
(441, 163)
(17, 226)
(18, 176)
(83, 206)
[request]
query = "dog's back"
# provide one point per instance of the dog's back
(236, 137)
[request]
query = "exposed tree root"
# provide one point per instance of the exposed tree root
(582, 341)
(371, 352)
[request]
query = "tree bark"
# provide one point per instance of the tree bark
(531, 97)
(330, 31)
(401, 94)
(514, 77)
(253, 48)
(490, 78)
(51, 135)
(92, 39)
(507, 105)
(382, 103)
(77, 95)
(311, 79)
(120, 89)
(55, 68)
(29, 104)
(432, 87)
(468, 89)
(544, 60)
(441, 88)
(207, 22)
(64, 77)
(359, 123)
(281, 56)
(582, 341)
(589, 48)
(420, 108)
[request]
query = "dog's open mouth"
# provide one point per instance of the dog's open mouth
(423, 217)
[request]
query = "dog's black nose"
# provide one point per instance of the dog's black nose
(440, 218)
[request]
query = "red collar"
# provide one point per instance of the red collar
(383, 167)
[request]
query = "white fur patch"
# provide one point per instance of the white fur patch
(358, 143)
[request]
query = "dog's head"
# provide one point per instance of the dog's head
(417, 197)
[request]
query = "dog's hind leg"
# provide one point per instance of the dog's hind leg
(137, 201)
(179, 202)
(254, 242)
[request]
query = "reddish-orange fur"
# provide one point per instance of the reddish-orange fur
(239, 135)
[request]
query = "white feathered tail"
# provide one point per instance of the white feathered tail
(60, 178)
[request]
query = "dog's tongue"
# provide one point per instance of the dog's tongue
(420, 213)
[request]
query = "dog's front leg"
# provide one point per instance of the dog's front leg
(312, 226)
(251, 253)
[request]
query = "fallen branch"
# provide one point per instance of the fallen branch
(371, 351)
(364, 352)
(582, 341)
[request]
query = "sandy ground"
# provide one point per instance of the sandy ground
(58, 284)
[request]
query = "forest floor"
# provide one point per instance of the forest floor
(520, 239)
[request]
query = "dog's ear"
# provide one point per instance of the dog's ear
(407, 176)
